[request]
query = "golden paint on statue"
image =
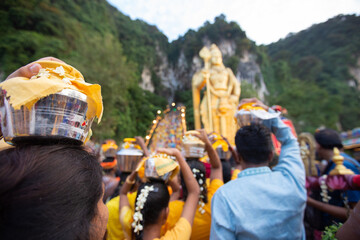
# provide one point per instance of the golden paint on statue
(223, 90)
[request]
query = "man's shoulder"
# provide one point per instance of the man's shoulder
(230, 186)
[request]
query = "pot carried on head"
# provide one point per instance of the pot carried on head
(129, 156)
(158, 166)
(193, 147)
(220, 145)
(56, 105)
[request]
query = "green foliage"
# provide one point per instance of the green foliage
(232, 63)
(91, 36)
(319, 58)
(192, 42)
(247, 90)
(330, 232)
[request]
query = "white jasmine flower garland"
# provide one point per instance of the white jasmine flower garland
(141, 200)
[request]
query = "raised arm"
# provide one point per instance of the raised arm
(140, 141)
(126, 187)
(191, 184)
(216, 167)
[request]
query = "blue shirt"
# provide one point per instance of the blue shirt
(263, 203)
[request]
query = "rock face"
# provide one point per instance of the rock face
(249, 71)
(355, 72)
(146, 82)
(178, 77)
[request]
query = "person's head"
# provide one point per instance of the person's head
(216, 56)
(326, 140)
(199, 171)
(254, 145)
(51, 192)
(109, 165)
(154, 211)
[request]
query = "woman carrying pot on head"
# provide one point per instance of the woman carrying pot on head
(152, 201)
(49, 191)
(202, 220)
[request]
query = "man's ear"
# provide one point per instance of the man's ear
(271, 156)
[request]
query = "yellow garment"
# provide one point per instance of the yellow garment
(249, 106)
(219, 141)
(114, 229)
(52, 78)
(182, 230)
(235, 174)
(202, 222)
(126, 215)
(108, 145)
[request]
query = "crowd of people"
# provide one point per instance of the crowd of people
(59, 191)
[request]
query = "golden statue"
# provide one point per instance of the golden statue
(223, 90)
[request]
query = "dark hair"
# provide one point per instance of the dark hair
(328, 139)
(226, 169)
(48, 192)
(156, 201)
(199, 174)
(253, 143)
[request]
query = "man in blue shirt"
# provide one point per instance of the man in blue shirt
(338, 208)
(262, 203)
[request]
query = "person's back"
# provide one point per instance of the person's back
(262, 203)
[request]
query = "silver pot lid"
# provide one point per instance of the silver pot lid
(73, 94)
(130, 152)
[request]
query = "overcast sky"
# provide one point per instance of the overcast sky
(264, 21)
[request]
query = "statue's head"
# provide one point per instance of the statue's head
(216, 56)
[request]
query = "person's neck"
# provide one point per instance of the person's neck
(152, 231)
(252, 165)
(328, 155)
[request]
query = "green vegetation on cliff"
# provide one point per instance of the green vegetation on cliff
(307, 72)
(311, 74)
(105, 45)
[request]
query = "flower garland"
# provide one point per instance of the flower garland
(138, 217)
(324, 190)
(201, 184)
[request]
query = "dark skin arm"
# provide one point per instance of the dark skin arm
(175, 186)
(233, 152)
(125, 189)
(216, 167)
(191, 184)
(335, 211)
(140, 141)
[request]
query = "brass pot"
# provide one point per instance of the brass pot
(128, 159)
(193, 149)
(58, 116)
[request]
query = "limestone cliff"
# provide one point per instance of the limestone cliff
(177, 77)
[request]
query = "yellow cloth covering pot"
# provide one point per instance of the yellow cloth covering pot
(52, 78)
(57, 102)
